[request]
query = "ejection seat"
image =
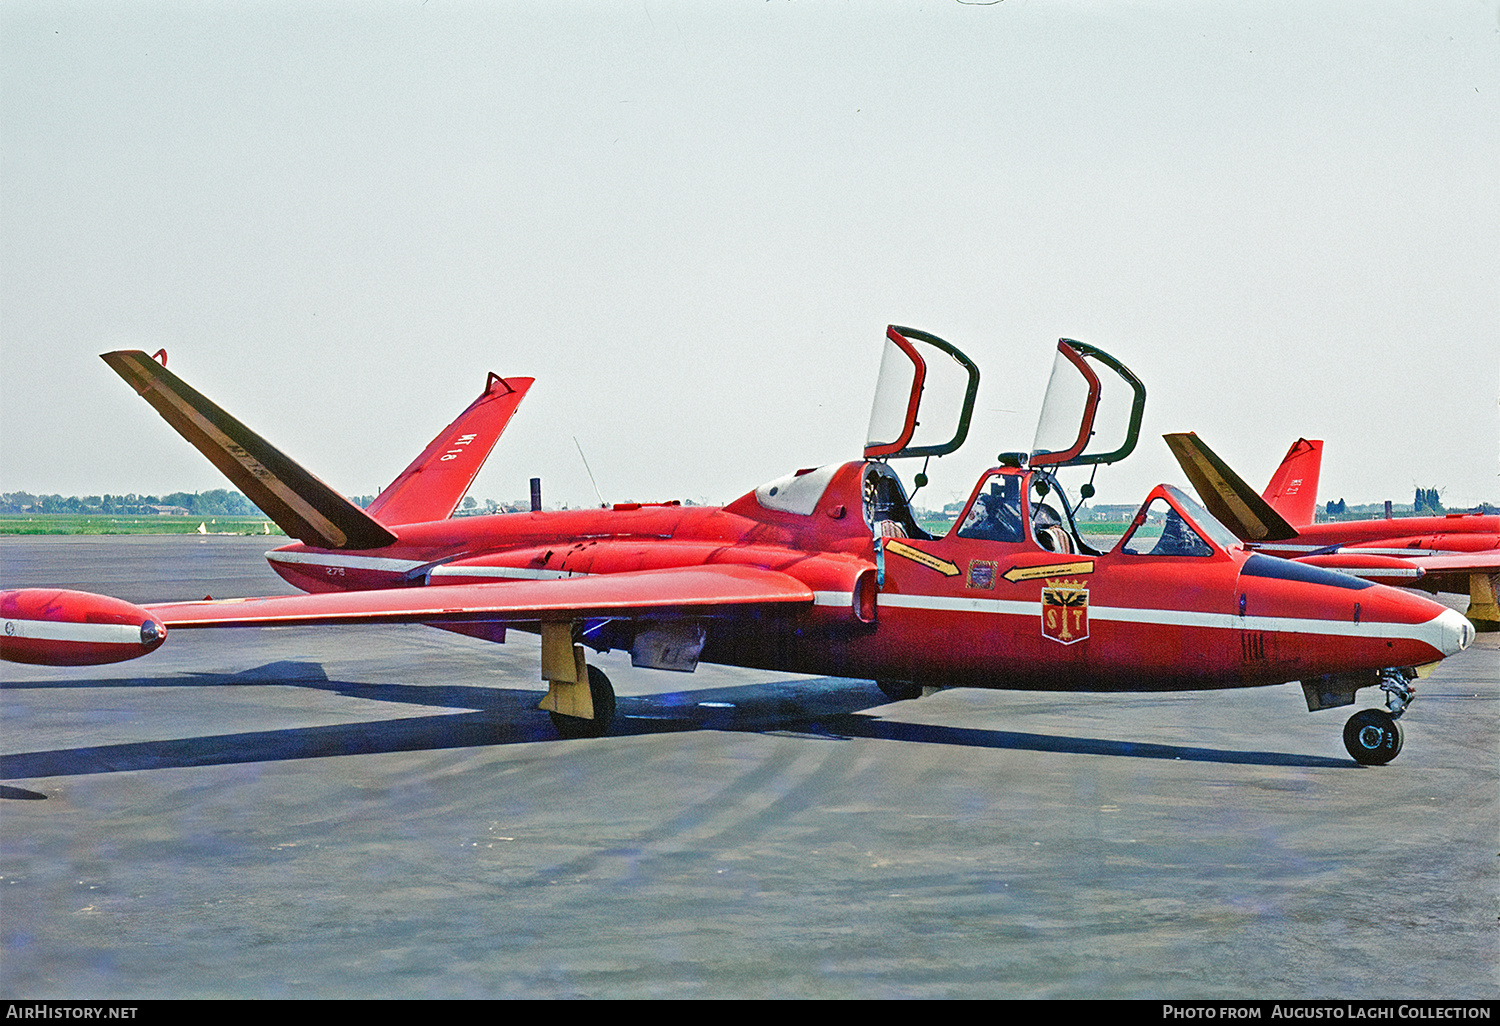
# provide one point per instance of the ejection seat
(886, 506)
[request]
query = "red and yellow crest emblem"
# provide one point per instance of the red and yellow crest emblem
(1065, 610)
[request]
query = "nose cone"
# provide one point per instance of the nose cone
(1453, 632)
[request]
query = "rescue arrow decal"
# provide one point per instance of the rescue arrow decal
(927, 559)
(1030, 573)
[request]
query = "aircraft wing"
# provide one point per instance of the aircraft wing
(1485, 562)
(697, 590)
(1449, 571)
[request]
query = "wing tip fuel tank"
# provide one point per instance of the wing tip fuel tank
(54, 627)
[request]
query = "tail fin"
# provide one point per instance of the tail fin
(432, 487)
(1232, 502)
(300, 504)
(1293, 491)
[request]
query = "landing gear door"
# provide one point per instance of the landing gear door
(1092, 410)
(920, 372)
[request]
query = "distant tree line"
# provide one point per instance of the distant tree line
(1426, 501)
(215, 503)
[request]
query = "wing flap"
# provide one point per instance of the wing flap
(664, 592)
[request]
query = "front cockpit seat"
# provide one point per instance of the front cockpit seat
(1050, 534)
(1054, 539)
(886, 505)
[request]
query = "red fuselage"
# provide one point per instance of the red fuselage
(952, 611)
(1462, 543)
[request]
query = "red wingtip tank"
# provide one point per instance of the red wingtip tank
(52, 627)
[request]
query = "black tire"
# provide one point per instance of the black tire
(603, 695)
(1373, 737)
(899, 690)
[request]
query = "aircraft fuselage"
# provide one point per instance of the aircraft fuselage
(950, 611)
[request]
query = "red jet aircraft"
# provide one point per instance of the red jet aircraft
(824, 571)
(1458, 552)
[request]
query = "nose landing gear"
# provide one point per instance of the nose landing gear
(1372, 736)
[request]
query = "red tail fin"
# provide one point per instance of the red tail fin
(1293, 491)
(432, 487)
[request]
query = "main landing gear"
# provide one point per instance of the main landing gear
(1372, 736)
(899, 690)
(602, 694)
(580, 699)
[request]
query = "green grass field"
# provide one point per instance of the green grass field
(1093, 530)
(105, 523)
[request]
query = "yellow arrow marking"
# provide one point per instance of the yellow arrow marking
(1031, 573)
(927, 559)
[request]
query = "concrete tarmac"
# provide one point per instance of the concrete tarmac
(383, 813)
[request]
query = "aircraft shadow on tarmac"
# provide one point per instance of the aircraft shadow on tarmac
(829, 708)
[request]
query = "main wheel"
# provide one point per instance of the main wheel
(602, 693)
(899, 690)
(1373, 737)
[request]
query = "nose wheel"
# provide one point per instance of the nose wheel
(1373, 737)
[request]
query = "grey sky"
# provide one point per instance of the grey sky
(691, 223)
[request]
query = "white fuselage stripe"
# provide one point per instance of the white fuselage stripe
(515, 573)
(1352, 550)
(350, 562)
(1430, 631)
(91, 633)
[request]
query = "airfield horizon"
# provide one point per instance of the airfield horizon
(1111, 524)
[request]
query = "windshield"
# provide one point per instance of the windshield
(1202, 517)
(996, 512)
(1171, 524)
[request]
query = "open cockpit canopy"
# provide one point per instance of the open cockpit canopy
(918, 368)
(924, 400)
(1092, 409)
